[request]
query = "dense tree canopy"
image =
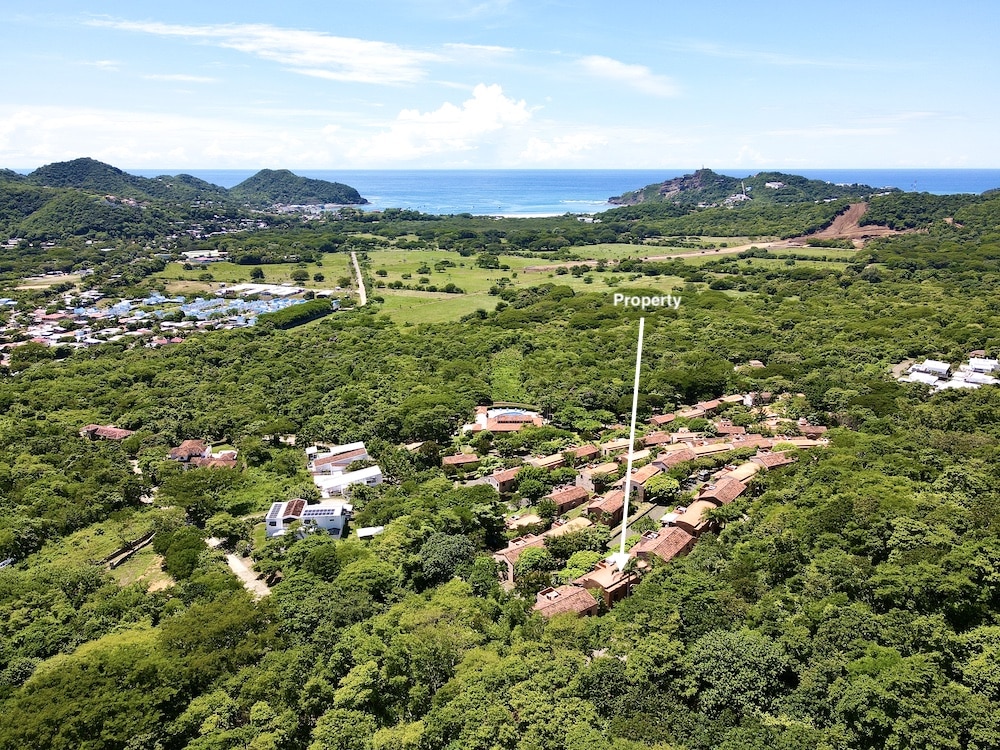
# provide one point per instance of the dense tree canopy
(851, 600)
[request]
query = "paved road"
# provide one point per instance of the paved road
(362, 293)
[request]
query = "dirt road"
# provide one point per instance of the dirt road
(362, 293)
(845, 226)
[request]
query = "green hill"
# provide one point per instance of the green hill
(83, 196)
(264, 189)
(94, 176)
(270, 186)
(707, 188)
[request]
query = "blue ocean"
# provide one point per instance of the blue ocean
(552, 192)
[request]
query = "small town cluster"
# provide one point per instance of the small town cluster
(87, 318)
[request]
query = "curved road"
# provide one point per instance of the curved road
(362, 294)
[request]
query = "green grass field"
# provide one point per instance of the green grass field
(96, 541)
(334, 267)
(767, 262)
(409, 267)
(415, 306)
(424, 307)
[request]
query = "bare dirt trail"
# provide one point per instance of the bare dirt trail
(362, 293)
(242, 568)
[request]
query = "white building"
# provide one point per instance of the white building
(339, 483)
(980, 364)
(921, 377)
(328, 515)
(932, 367)
(334, 460)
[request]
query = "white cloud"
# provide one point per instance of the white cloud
(830, 131)
(768, 57)
(31, 136)
(479, 50)
(562, 149)
(638, 77)
(310, 53)
(102, 64)
(449, 128)
(179, 77)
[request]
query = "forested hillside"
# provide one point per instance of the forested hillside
(707, 188)
(271, 186)
(850, 600)
(88, 198)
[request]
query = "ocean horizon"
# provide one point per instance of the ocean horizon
(553, 192)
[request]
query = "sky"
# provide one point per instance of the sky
(537, 84)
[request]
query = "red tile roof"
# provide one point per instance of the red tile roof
(692, 520)
(643, 474)
(555, 601)
(662, 419)
(690, 412)
(294, 508)
(666, 544)
(753, 440)
(657, 438)
(505, 475)
(568, 497)
(610, 503)
(108, 432)
(672, 458)
(516, 546)
(723, 492)
(511, 418)
(773, 460)
(460, 459)
(188, 449)
(501, 425)
(585, 451)
(725, 427)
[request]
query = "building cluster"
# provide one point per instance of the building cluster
(499, 418)
(335, 472)
(601, 487)
(87, 319)
(613, 578)
(330, 516)
(104, 432)
(332, 472)
(976, 372)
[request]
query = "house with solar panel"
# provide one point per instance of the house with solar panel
(330, 516)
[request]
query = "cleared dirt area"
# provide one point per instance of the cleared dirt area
(846, 226)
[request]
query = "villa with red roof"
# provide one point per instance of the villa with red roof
(556, 601)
